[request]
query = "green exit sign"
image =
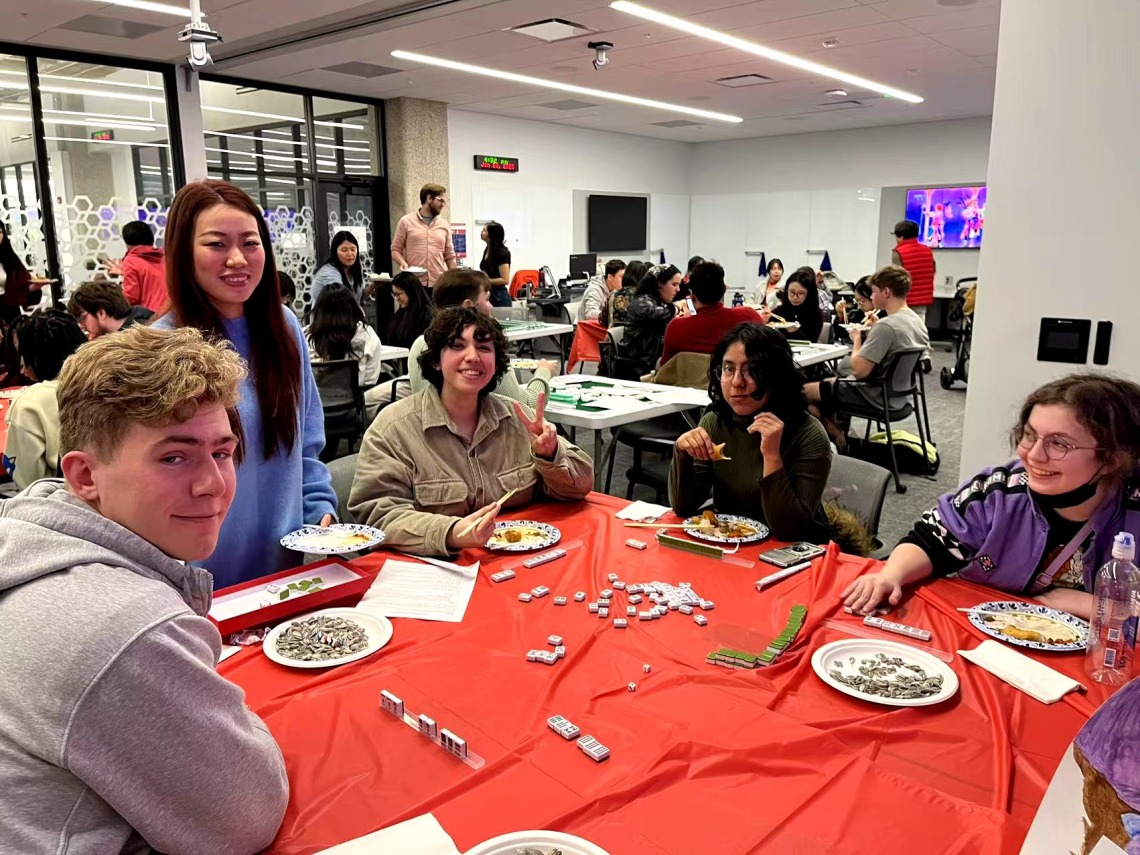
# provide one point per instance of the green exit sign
(487, 163)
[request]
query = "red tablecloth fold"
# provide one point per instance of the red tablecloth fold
(703, 759)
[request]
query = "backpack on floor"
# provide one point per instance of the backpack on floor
(908, 452)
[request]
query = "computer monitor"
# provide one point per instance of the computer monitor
(583, 266)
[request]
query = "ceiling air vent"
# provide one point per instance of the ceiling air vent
(849, 104)
(568, 104)
(123, 28)
(676, 123)
(552, 30)
(742, 80)
(361, 69)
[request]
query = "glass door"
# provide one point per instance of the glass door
(359, 206)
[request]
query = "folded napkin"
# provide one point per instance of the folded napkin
(1030, 676)
(422, 835)
(642, 512)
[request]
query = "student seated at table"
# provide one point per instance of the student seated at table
(901, 328)
(101, 308)
(471, 289)
(650, 312)
(799, 304)
(31, 452)
(436, 462)
(780, 456)
(596, 297)
(700, 333)
(619, 302)
(117, 733)
(414, 310)
(338, 330)
(1040, 526)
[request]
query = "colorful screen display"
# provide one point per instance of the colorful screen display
(948, 217)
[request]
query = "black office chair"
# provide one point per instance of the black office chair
(902, 390)
(338, 382)
(860, 487)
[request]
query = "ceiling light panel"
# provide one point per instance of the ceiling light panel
(683, 26)
(526, 80)
(148, 6)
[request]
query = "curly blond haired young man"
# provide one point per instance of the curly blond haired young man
(116, 732)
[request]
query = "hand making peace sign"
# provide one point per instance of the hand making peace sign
(543, 436)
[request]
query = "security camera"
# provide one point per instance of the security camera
(600, 57)
(200, 35)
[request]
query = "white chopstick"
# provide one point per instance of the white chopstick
(478, 521)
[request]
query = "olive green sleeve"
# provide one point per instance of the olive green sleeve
(792, 495)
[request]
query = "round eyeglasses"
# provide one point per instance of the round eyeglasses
(1055, 446)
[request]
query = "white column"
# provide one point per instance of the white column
(1063, 213)
(190, 114)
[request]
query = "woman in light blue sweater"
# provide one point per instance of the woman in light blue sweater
(221, 278)
(341, 268)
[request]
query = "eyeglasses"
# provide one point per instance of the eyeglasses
(1054, 446)
(730, 372)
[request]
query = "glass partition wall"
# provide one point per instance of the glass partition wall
(259, 139)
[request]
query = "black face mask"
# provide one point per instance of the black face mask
(1074, 497)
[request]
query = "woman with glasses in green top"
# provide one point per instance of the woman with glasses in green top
(780, 456)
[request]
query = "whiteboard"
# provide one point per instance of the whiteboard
(536, 220)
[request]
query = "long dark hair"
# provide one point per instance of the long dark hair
(355, 272)
(496, 236)
(333, 324)
(771, 364)
(409, 324)
(634, 273)
(275, 353)
(804, 276)
(654, 278)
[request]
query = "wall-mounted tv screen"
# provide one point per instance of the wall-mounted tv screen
(948, 217)
(618, 223)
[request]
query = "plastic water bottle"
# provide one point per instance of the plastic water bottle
(1112, 630)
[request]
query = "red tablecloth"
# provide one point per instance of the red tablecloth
(703, 759)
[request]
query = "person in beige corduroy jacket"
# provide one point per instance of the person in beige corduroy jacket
(438, 461)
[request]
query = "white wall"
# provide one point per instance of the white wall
(537, 205)
(1062, 216)
(786, 195)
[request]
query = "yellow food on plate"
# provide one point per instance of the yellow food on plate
(334, 539)
(1029, 627)
(517, 534)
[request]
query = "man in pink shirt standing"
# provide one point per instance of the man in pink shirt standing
(423, 237)
(143, 268)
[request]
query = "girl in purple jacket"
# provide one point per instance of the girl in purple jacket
(1040, 526)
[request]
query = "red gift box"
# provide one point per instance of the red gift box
(346, 593)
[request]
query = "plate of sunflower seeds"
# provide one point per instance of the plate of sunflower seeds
(885, 672)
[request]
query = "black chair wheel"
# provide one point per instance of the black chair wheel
(901, 488)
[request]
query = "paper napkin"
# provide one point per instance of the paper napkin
(1030, 676)
(642, 512)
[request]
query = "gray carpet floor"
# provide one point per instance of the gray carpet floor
(900, 510)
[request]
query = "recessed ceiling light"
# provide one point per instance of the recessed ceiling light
(562, 87)
(759, 50)
(830, 42)
(148, 6)
(837, 93)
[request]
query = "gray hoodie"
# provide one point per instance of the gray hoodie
(116, 732)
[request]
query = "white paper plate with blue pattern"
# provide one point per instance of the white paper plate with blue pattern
(1034, 626)
(530, 534)
(335, 539)
(714, 535)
